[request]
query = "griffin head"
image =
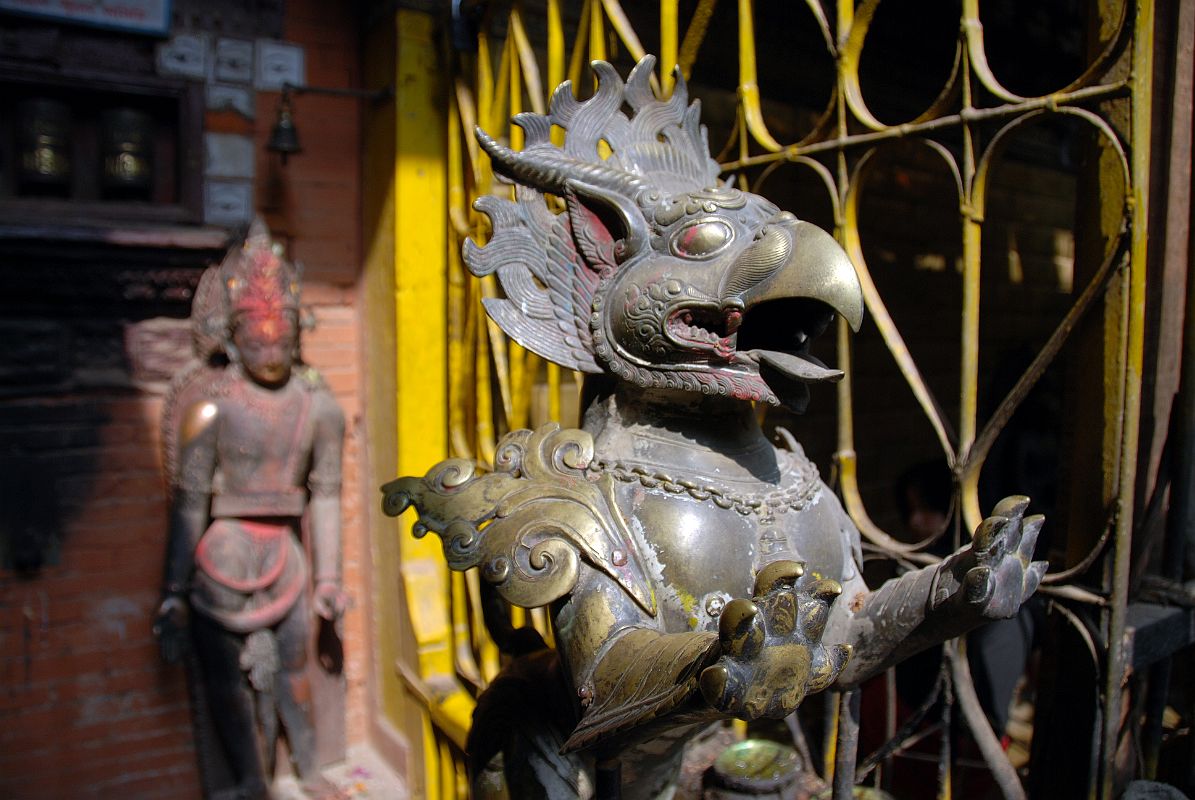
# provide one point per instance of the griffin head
(657, 273)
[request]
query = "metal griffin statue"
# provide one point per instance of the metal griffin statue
(253, 442)
(693, 571)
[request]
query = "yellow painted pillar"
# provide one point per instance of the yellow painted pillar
(405, 285)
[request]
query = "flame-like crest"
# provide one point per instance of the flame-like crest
(550, 266)
(263, 288)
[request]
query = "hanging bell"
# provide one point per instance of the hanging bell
(284, 138)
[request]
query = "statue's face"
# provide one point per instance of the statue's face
(267, 347)
(731, 289)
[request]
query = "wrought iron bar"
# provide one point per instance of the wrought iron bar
(905, 736)
(997, 761)
(847, 745)
(1142, 73)
(908, 129)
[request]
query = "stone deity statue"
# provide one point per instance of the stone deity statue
(253, 442)
(693, 570)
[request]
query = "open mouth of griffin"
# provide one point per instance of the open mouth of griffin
(706, 329)
(774, 337)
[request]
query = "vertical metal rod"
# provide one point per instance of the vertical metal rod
(1180, 521)
(1142, 63)
(945, 756)
(832, 702)
(884, 770)
(848, 745)
(1183, 483)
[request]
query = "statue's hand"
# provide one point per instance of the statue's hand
(329, 600)
(170, 627)
(995, 574)
(772, 654)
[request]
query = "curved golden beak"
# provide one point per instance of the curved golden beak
(816, 268)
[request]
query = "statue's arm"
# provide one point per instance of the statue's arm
(324, 510)
(191, 495)
(988, 579)
(190, 507)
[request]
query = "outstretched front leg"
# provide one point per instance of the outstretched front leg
(988, 579)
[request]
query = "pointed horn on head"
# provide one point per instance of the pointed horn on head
(548, 169)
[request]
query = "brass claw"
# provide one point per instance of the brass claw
(738, 629)
(1011, 507)
(776, 574)
(978, 585)
(825, 590)
(814, 616)
(713, 684)
(990, 542)
(829, 666)
(1030, 529)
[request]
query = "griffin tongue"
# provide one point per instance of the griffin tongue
(805, 370)
(788, 376)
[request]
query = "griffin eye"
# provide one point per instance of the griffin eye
(702, 238)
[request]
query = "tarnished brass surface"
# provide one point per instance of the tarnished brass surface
(529, 524)
(754, 768)
(692, 568)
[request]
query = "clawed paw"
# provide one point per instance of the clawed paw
(1000, 573)
(772, 654)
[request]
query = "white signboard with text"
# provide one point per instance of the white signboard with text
(141, 16)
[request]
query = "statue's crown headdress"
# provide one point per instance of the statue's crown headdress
(262, 286)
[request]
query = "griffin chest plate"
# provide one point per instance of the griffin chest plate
(703, 541)
(678, 548)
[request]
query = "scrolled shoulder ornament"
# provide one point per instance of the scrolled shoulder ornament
(530, 523)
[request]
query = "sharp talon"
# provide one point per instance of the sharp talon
(843, 654)
(1011, 507)
(1037, 571)
(837, 658)
(988, 533)
(840, 654)
(778, 573)
(1030, 528)
(825, 590)
(978, 585)
(833, 663)
(713, 684)
(741, 635)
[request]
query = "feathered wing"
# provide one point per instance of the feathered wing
(547, 285)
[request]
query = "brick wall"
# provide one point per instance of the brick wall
(86, 707)
(315, 203)
(86, 710)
